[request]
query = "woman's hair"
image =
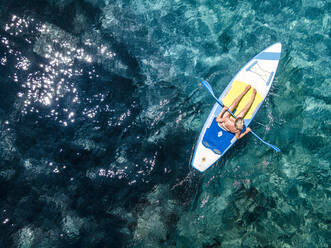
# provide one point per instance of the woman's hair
(239, 123)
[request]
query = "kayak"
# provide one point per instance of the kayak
(259, 72)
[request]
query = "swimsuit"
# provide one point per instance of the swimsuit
(222, 125)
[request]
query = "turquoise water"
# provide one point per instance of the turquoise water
(101, 105)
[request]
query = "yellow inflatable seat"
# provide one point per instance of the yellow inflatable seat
(236, 88)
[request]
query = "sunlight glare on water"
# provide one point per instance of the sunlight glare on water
(55, 79)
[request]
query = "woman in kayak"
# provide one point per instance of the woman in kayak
(225, 120)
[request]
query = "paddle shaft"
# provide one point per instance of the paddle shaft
(210, 90)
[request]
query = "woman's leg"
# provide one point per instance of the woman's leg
(244, 111)
(237, 100)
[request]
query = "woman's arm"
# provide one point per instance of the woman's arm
(219, 117)
(240, 135)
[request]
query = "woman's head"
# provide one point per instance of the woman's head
(239, 123)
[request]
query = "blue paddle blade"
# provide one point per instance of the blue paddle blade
(266, 143)
(208, 87)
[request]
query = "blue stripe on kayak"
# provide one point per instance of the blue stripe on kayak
(268, 56)
(270, 77)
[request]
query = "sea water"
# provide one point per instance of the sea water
(101, 105)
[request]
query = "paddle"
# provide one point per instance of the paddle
(209, 88)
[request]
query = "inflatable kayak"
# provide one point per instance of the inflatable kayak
(259, 72)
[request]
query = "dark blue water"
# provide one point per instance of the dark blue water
(101, 105)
